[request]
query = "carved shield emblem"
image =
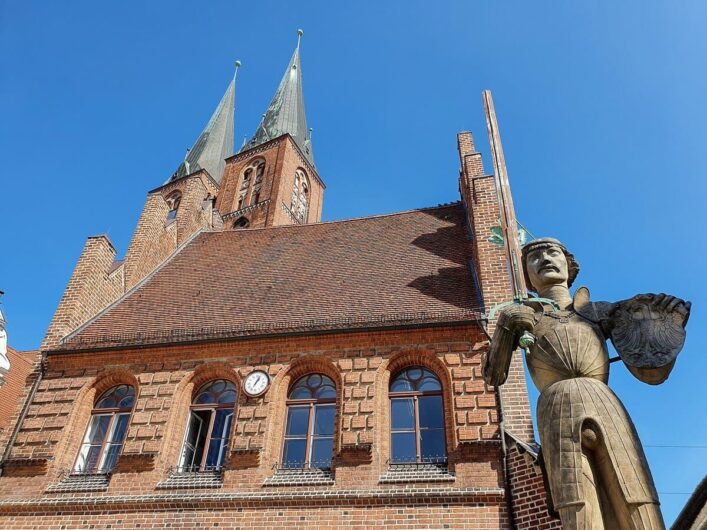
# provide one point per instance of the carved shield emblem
(648, 331)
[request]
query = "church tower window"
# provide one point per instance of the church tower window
(173, 200)
(106, 431)
(299, 204)
(309, 431)
(209, 429)
(416, 417)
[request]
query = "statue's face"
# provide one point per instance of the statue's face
(547, 266)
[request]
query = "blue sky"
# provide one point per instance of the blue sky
(601, 109)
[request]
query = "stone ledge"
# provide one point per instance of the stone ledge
(405, 473)
(192, 480)
(80, 483)
(301, 477)
(25, 467)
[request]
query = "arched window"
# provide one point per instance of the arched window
(241, 200)
(309, 431)
(299, 205)
(416, 417)
(246, 178)
(209, 430)
(173, 200)
(241, 223)
(259, 170)
(106, 430)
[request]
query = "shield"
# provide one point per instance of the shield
(648, 332)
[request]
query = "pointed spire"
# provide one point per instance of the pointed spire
(286, 111)
(215, 143)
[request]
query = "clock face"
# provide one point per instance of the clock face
(256, 383)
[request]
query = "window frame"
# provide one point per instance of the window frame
(107, 440)
(311, 404)
(213, 408)
(415, 395)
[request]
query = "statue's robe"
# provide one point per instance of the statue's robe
(569, 364)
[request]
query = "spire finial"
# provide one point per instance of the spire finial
(299, 36)
(238, 65)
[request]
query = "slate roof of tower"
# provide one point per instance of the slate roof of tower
(399, 269)
(215, 143)
(286, 112)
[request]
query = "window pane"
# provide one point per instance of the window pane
(322, 450)
(196, 438)
(120, 425)
(404, 447)
(324, 419)
(414, 373)
(432, 445)
(110, 456)
(88, 458)
(402, 413)
(400, 385)
(214, 458)
(431, 412)
(204, 397)
(187, 459)
(297, 421)
(222, 424)
(97, 429)
(429, 383)
(300, 393)
(293, 455)
(326, 392)
(229, 396)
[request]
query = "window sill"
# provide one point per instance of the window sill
(407, 473)
(301, 477)
(192, 480)
(80, 483)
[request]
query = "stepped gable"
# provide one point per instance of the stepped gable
(390, 270)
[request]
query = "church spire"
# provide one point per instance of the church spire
(286, 111)
(215, 143)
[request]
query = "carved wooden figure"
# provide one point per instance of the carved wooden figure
(598, 475)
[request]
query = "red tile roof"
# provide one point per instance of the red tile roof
(390, 270)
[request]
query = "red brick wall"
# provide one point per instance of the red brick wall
(360, 363)
(92, 287)
(155, 238)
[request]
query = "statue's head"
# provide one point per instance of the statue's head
(547, 262)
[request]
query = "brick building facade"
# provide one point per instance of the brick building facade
(369, 332)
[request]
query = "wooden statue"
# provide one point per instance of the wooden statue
(598, 475)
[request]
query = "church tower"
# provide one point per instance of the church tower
(273, 181)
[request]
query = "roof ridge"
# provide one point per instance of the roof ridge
(341, 221)
(135, 287)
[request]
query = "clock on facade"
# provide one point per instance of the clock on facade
(256, 383)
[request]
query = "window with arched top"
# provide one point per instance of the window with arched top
(259, 170)
(173, 200)
(106, 430)
(416, 417)
(309, 429)
(246, 178)
(209, 429)
(299, 205)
